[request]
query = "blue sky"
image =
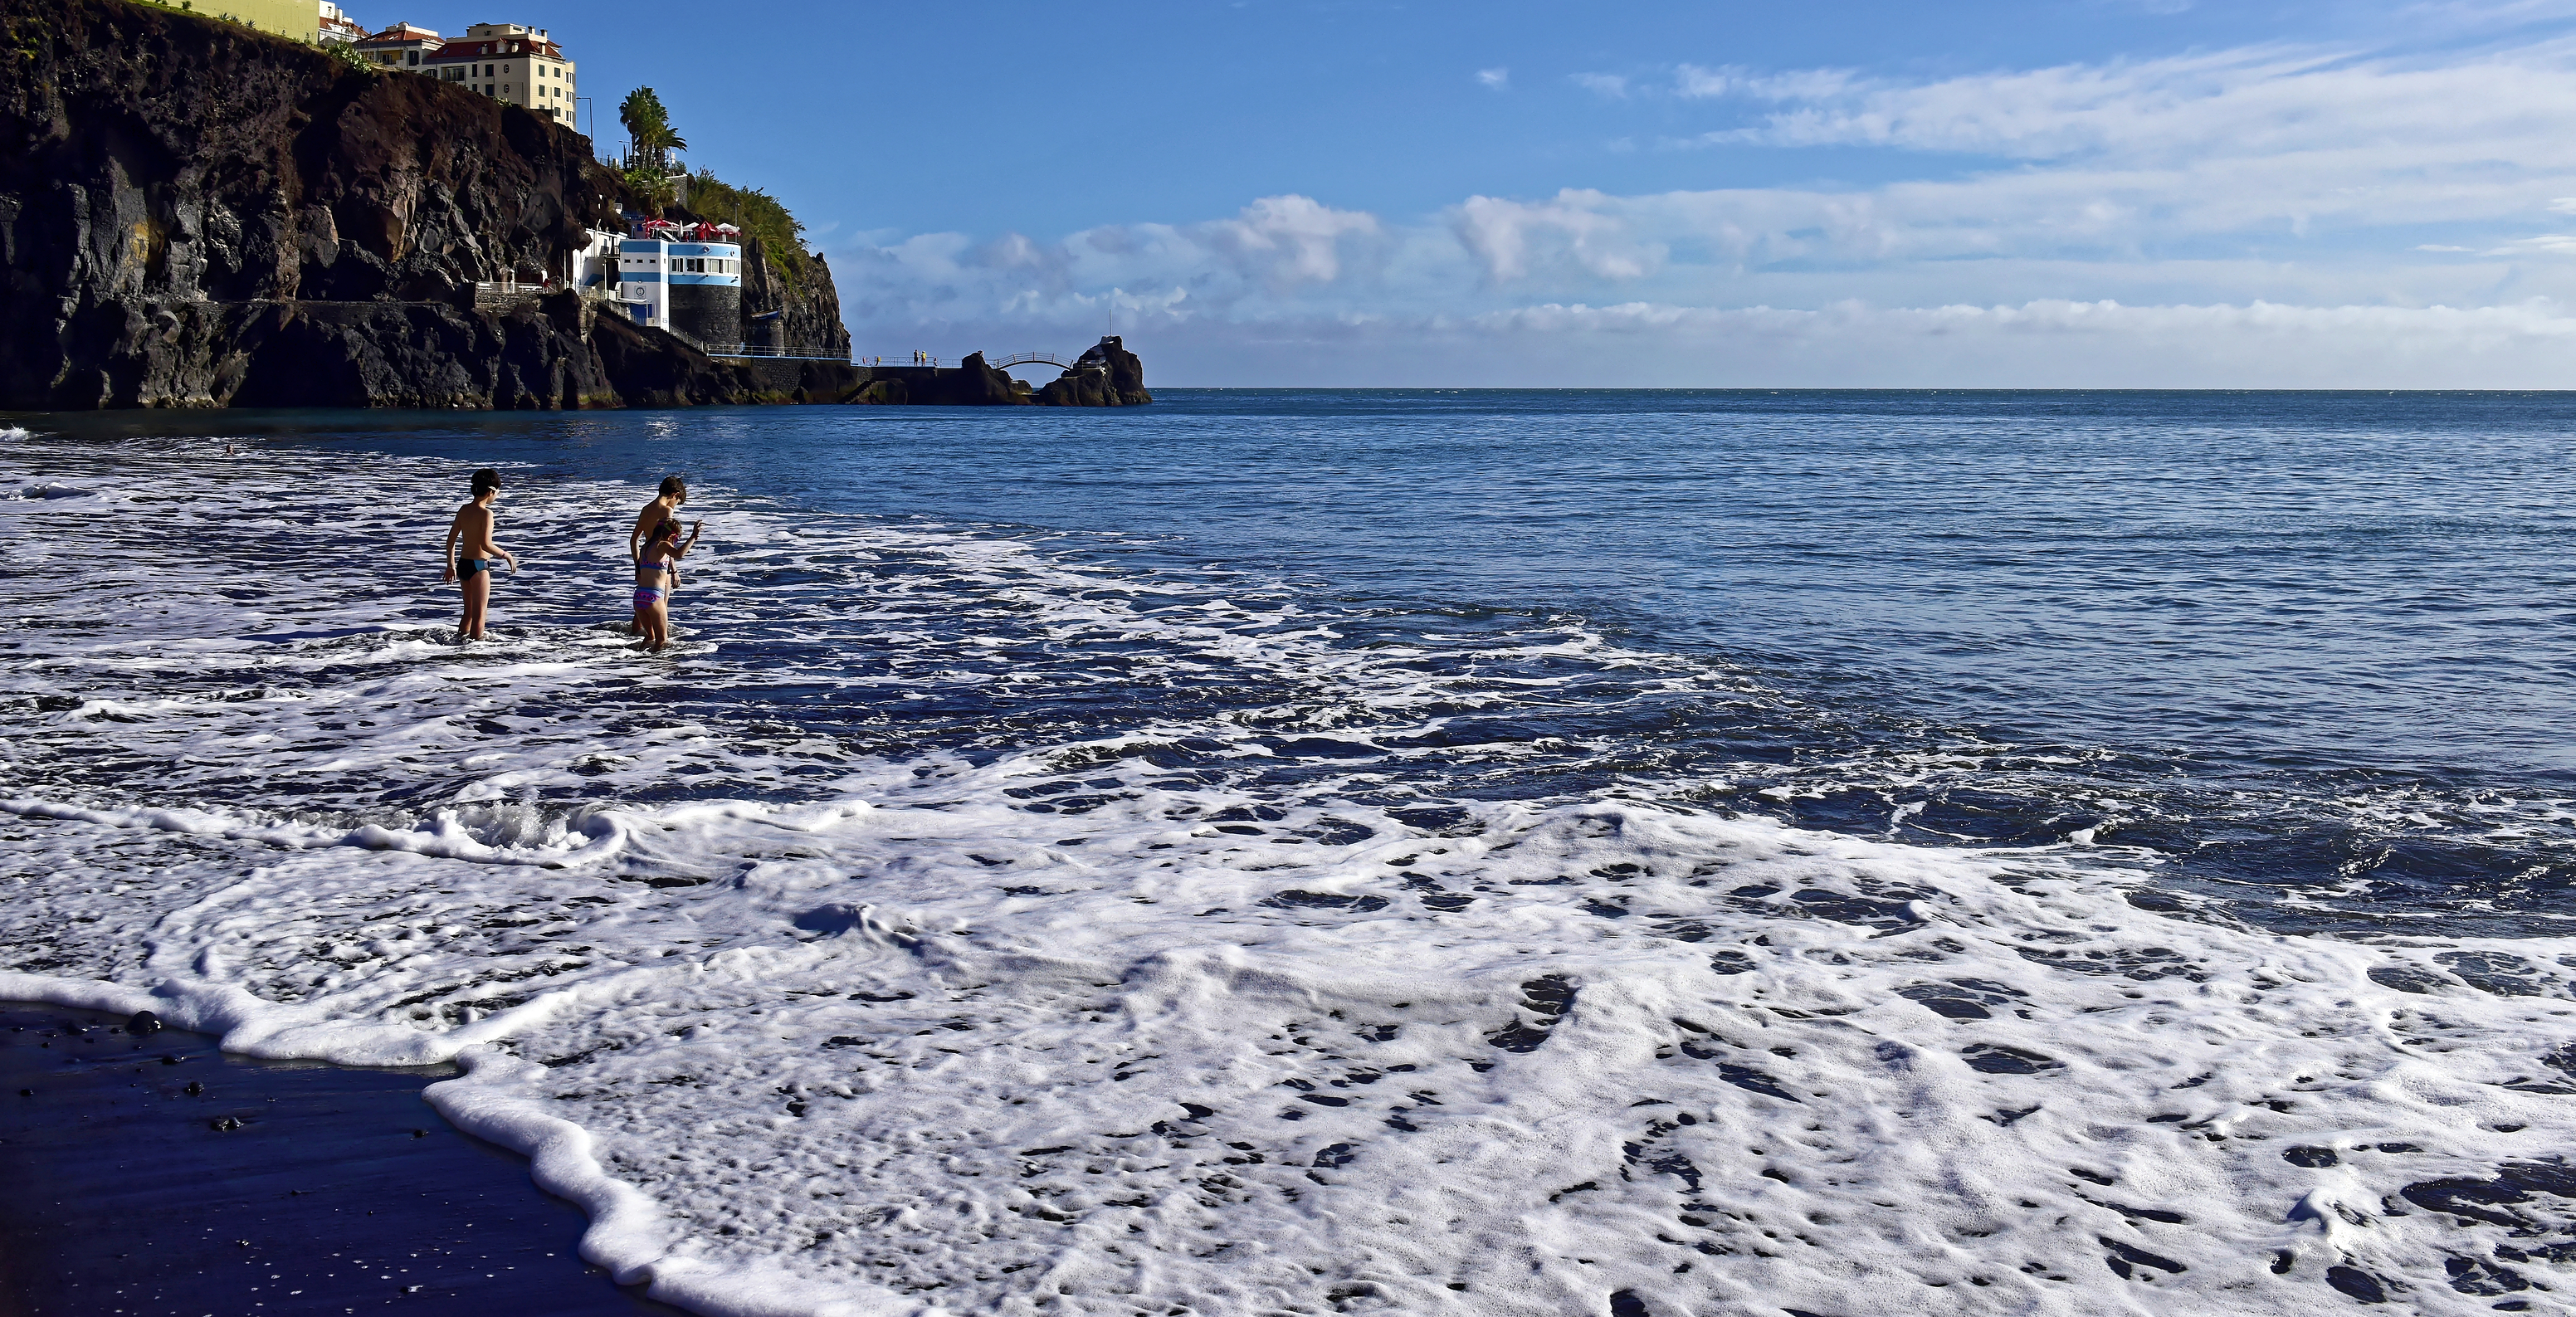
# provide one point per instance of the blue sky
(2089, 193)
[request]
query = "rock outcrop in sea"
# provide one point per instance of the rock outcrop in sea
(195, 214)
(1105, 375)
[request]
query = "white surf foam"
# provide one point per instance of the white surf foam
(1245, 1004)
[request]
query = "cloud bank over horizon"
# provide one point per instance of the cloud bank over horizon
(2269, 215)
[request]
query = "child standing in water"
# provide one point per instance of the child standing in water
(657, 573)
(472, 531)
(648, 523)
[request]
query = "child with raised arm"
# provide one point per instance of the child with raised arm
(656, 514)
(657, 573)
(472, 533)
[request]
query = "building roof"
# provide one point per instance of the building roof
(400, 34)
(497, 48)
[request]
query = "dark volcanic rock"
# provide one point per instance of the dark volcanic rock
(653, 369)
(193, 214)
(1106, 375)
(976, 384)
(971, 383)
(808, 316)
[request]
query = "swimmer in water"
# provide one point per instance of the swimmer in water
(472, 533)
(657, 573)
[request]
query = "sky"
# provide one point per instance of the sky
(2008, 193)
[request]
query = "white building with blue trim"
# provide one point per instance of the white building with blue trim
(686, 278)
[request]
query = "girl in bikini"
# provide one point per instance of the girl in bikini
(657, 573)
(649, 522)
(472, 532)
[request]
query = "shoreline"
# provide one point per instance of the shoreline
(275, 1188)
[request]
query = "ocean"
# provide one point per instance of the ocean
(1479, 852)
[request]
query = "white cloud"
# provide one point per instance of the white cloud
(2286, 203)
(1288, 240)
(1577, 227)
(2546, 244)
(1695, 82)
(1498, 79)
(2297, 103)
(2043, 343)
(1691, 82)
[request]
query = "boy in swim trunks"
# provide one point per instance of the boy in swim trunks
(472, 530)
(664, 507)
(657, 573)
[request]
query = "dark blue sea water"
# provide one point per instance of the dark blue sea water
(2310, 642)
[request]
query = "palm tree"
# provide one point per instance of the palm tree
(648, 129)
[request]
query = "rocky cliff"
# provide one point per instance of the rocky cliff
(778, 312)
(196, 214)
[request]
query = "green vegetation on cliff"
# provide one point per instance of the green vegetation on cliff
(758, 215)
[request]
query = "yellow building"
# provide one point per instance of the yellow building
(509, 62)
(298, 19)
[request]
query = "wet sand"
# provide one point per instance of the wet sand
(273, 1189)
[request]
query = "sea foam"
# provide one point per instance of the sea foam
(963, 924)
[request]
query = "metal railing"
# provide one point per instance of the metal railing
(1038, 357)
(912, 359)
(488, 295)
(770, 350)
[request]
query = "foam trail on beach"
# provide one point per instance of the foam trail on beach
(964, 922)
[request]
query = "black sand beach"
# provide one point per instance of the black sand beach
(339, 1191)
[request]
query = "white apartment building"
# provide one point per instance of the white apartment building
(509, 62)
(337, 27)
(401, 46)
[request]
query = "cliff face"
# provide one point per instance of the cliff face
(781, 312)
(194, 214)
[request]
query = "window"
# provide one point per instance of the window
(414, 61)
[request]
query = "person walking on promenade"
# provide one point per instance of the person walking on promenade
(657, 573)
(471, 534)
